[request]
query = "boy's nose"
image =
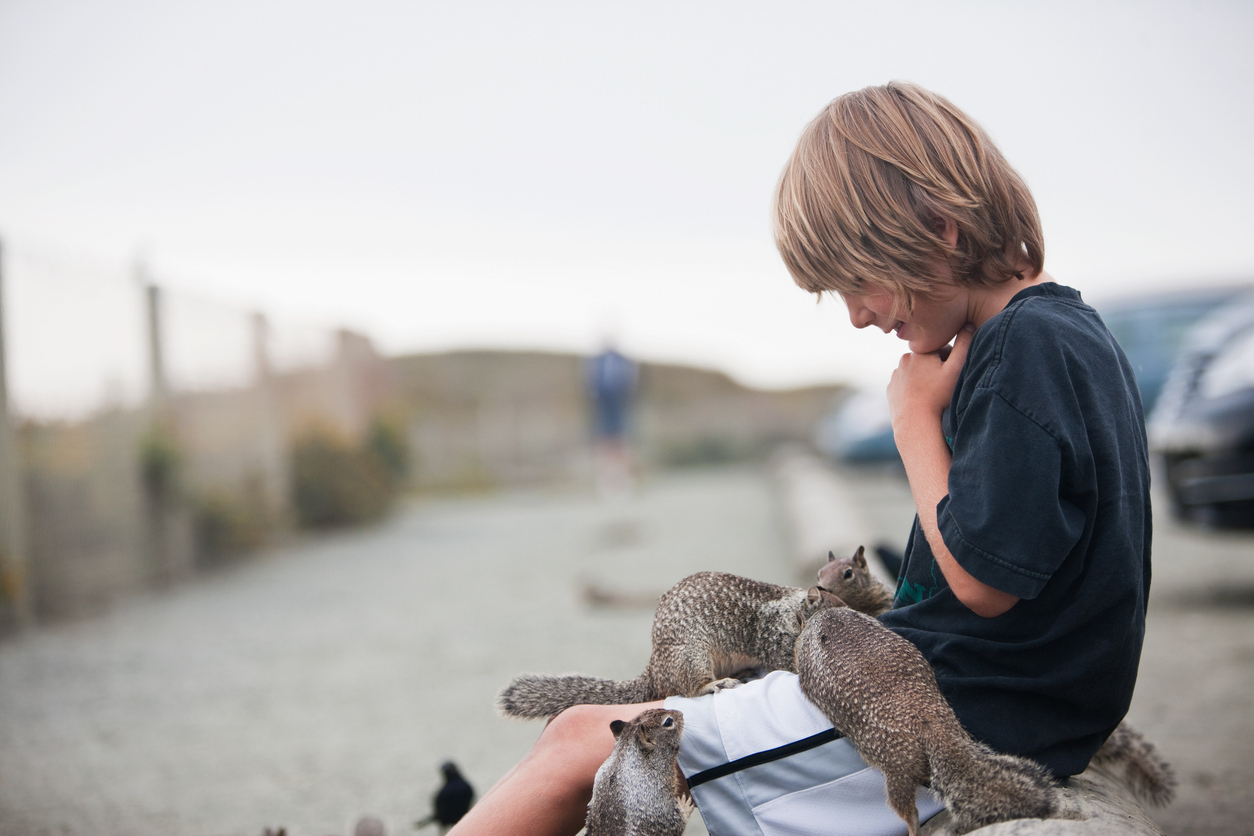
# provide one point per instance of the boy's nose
(860, 315)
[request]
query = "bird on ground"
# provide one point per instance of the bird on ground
(452, 801)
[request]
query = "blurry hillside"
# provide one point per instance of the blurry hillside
(484, 418)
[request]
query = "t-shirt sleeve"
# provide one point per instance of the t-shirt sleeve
(1004, 519)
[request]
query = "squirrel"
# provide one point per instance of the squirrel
(850, 578)
(879, 691)
(1125, 752)
(1150, 778)
(707, 628)
(636, 791)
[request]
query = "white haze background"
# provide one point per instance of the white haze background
(545, 175)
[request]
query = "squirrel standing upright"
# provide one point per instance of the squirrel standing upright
(708, 627)
(636, 791)
(880, 692)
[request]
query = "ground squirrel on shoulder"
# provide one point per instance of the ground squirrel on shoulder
(879, 691)
(636, 791)
(709, 628)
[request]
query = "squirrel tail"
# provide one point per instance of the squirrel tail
(1128, 755)
(531, 697)
(981, 787)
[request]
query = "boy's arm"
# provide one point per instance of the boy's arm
(920, 389)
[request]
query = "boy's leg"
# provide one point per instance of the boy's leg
(762, 759)
(547, 793)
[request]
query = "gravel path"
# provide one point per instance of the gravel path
(328, 680)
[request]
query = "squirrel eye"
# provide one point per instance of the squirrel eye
(848, 574)
(668, 722)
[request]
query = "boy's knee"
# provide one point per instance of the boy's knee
(580, 728)
(580, 738)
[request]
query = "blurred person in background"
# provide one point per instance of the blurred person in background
(611, 389)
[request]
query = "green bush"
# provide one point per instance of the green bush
(386, 442)
(335, 483)
(160, 461)
(229, 522)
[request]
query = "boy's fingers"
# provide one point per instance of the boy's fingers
(962, 342)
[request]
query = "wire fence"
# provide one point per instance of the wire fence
(78, 342)
(149, 429)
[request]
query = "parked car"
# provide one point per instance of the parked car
(1203, 424)
(1152, 328)
(859, 430)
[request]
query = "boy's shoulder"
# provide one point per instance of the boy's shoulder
(1041, 325)
(1041, 315)
(1040, 352)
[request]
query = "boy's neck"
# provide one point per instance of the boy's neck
(987, 302)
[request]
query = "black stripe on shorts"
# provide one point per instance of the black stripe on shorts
(759, 758)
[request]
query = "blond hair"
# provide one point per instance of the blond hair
(875, 178)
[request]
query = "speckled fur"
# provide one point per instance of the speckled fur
(880, 692)
(1129, 756)
(636, 791)
(851, 579)
(707, 628)
(1126, 754)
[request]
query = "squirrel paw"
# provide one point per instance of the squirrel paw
(718, 685)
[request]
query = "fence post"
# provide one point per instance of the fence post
(14, 568)
(273, 435)
(159, 390)
(169, 543)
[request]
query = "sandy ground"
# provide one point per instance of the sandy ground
(328, 680)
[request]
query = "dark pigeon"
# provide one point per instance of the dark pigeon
(452, 801)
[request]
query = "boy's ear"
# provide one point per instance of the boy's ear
(946, 228)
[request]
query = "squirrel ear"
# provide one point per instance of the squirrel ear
(616, 726)
(858, 557)
(830, 557)
(818, 598)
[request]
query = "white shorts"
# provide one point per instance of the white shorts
(761, 759)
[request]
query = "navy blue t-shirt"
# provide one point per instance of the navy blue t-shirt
(1048, 501)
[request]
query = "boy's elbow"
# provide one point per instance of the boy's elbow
(980, 598)
(988, 602)
(984, 600)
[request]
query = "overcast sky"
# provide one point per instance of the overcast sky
(537, 175)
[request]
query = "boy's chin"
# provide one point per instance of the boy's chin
(926, 346)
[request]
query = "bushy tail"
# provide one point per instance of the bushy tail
(533, 697)
(981, 787)
(1127, 755)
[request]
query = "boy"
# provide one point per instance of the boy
(1027, 571)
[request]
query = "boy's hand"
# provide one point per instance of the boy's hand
(923, 384)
